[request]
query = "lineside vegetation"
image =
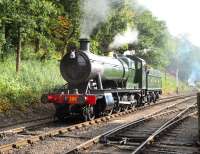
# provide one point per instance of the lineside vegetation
(35, 34)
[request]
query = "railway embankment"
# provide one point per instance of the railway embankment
(17, 116)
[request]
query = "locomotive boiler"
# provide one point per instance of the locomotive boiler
(77, 68)
(98, 85)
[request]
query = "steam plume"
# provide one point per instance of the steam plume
(129, 36)
(195, 75)
(95, 12)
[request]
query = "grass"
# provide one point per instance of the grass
(34, 79)
(169, 85)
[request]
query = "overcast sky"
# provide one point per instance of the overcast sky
(182, 16)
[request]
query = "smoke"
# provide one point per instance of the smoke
(187, 57)
(129, 36)
(192, 79)
(94, 12)
(180, 16)
(195, 75)
(188, 32)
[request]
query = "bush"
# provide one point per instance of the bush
(169, 85)
(34, 79)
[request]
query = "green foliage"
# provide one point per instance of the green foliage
(186, 58)
(117, 22)
(49, 27)
(66, 27)
(43, 55)
(35, 79)
(152, 38)
(53, 24)
(169, 85)
(73, 12)
(32, 17)
(2, 38)
(27, 13)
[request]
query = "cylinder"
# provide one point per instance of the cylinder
(198, 106)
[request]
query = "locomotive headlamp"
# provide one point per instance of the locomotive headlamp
(72, 55)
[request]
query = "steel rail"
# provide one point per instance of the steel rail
(36, 138)
(26, 125)
(143, 119)
(12, 129)
(101, 138)
(162, 128)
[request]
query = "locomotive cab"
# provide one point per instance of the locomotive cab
(140, 77)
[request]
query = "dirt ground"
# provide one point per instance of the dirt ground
(35, 111)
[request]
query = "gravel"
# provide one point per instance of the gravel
(68, 141)
(181, 140)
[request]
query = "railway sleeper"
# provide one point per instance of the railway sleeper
(133, 136)
(175, 142)
(121, 143)
(125, 147)
(173, 148)
(128, 138)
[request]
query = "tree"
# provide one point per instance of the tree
(67, 27)
(186, 58)
(63, 31)
(152, 37)
(2, 39)
(120, 17)
(44, 12)
(25, 15)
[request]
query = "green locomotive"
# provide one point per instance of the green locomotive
(100, 84)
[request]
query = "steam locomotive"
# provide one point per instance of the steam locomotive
(98, 85)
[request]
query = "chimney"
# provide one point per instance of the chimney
(84, 44)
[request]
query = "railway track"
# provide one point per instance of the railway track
(23, 137)
(135, 136)
(21, 126)
(181, 137)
